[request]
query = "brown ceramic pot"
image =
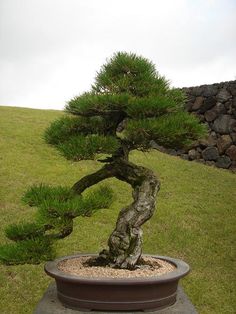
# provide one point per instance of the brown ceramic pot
(133, 294)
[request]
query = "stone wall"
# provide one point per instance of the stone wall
(215, 105)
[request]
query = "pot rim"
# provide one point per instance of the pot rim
(181, 270)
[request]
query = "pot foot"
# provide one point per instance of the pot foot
(50, 304)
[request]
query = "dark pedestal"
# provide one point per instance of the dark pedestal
(49, 304)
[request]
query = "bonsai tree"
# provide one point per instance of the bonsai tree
(129, 105)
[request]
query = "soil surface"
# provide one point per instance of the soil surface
(147, 267)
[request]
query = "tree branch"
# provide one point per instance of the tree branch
(92, 179)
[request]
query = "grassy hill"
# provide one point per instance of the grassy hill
(194, 220)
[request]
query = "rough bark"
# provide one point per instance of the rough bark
(125, 242)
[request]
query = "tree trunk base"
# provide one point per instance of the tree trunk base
(125, 242)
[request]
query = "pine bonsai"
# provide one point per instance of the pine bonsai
(128, 106)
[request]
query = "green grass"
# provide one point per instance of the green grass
(195, 217)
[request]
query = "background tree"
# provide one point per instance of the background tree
(128, 106)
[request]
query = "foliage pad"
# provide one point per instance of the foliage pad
(57, 207)
(129, 104)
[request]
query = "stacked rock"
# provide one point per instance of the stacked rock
(215, 105)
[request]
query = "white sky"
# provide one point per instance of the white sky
(50, 50)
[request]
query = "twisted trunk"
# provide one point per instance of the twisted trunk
(125, 242)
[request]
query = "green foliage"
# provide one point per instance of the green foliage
(24, 231)
(140, 108)
(96, 104)
(31, 251)
(101, 104)
(100, 198)
(49, 209)
(54, 208)
(59, 202)
(127, 87)
(57, 207)
(61, 129)
(37, 194)
(81, 138)
(86, 147)
(178, 96)
(129, 73)
(171, 130)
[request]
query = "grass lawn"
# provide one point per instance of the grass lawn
(194, 220)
